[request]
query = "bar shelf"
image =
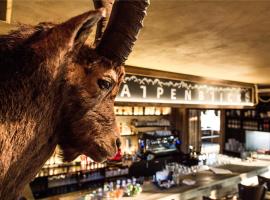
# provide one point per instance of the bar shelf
(146, 126)
(46, 172)
(237, 122)
(210, 137)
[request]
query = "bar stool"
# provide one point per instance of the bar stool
(266, 182)
(251, 192)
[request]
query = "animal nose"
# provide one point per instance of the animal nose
(118, 143)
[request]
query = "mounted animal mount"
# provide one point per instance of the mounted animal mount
(55, 89)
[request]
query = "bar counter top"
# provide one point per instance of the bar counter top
(206, 181)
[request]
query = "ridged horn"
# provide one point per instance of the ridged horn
(101, 26)
(122, 29)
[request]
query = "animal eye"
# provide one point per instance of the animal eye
(104, 84)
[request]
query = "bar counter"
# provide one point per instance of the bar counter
(206, 182)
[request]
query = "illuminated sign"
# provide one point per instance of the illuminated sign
(142, 89)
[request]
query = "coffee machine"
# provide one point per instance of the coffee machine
(158, 143)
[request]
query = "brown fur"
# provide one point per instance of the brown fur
(49, 95)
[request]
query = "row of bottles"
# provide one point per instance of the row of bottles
(87, 163)
(160, 122)
(264, 126)
(70, 169)
(64, 183)
(116, 190)
(250, 125)
(248, 114)
(55, 165)
(130, 128)
(233, 113)
(116, 172)
(264, 115)
(57, 171)
(91, 176)
(127, 110)
(256, 114)
(233, 123)
(61, 180)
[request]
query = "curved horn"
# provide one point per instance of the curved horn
(122, 29)
(101, 26)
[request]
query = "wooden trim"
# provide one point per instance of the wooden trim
(9, 11)
(186, 131)
(222, 130)
(199, 106)
(264, 86)
(176, 76)
(5, 10)
(199, 132)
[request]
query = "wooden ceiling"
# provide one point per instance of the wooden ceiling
(221, 39)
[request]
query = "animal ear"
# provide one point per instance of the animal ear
(74, 32)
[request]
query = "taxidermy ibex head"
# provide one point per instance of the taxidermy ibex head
(55, 89)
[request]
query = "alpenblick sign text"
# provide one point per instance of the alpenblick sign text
(143, 89)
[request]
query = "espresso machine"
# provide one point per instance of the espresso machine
(158, 143)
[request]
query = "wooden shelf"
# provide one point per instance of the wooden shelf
(234, 117)
(210, 137)
(75, 172)
(146, 126)
(128, 135)
(234, 128)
